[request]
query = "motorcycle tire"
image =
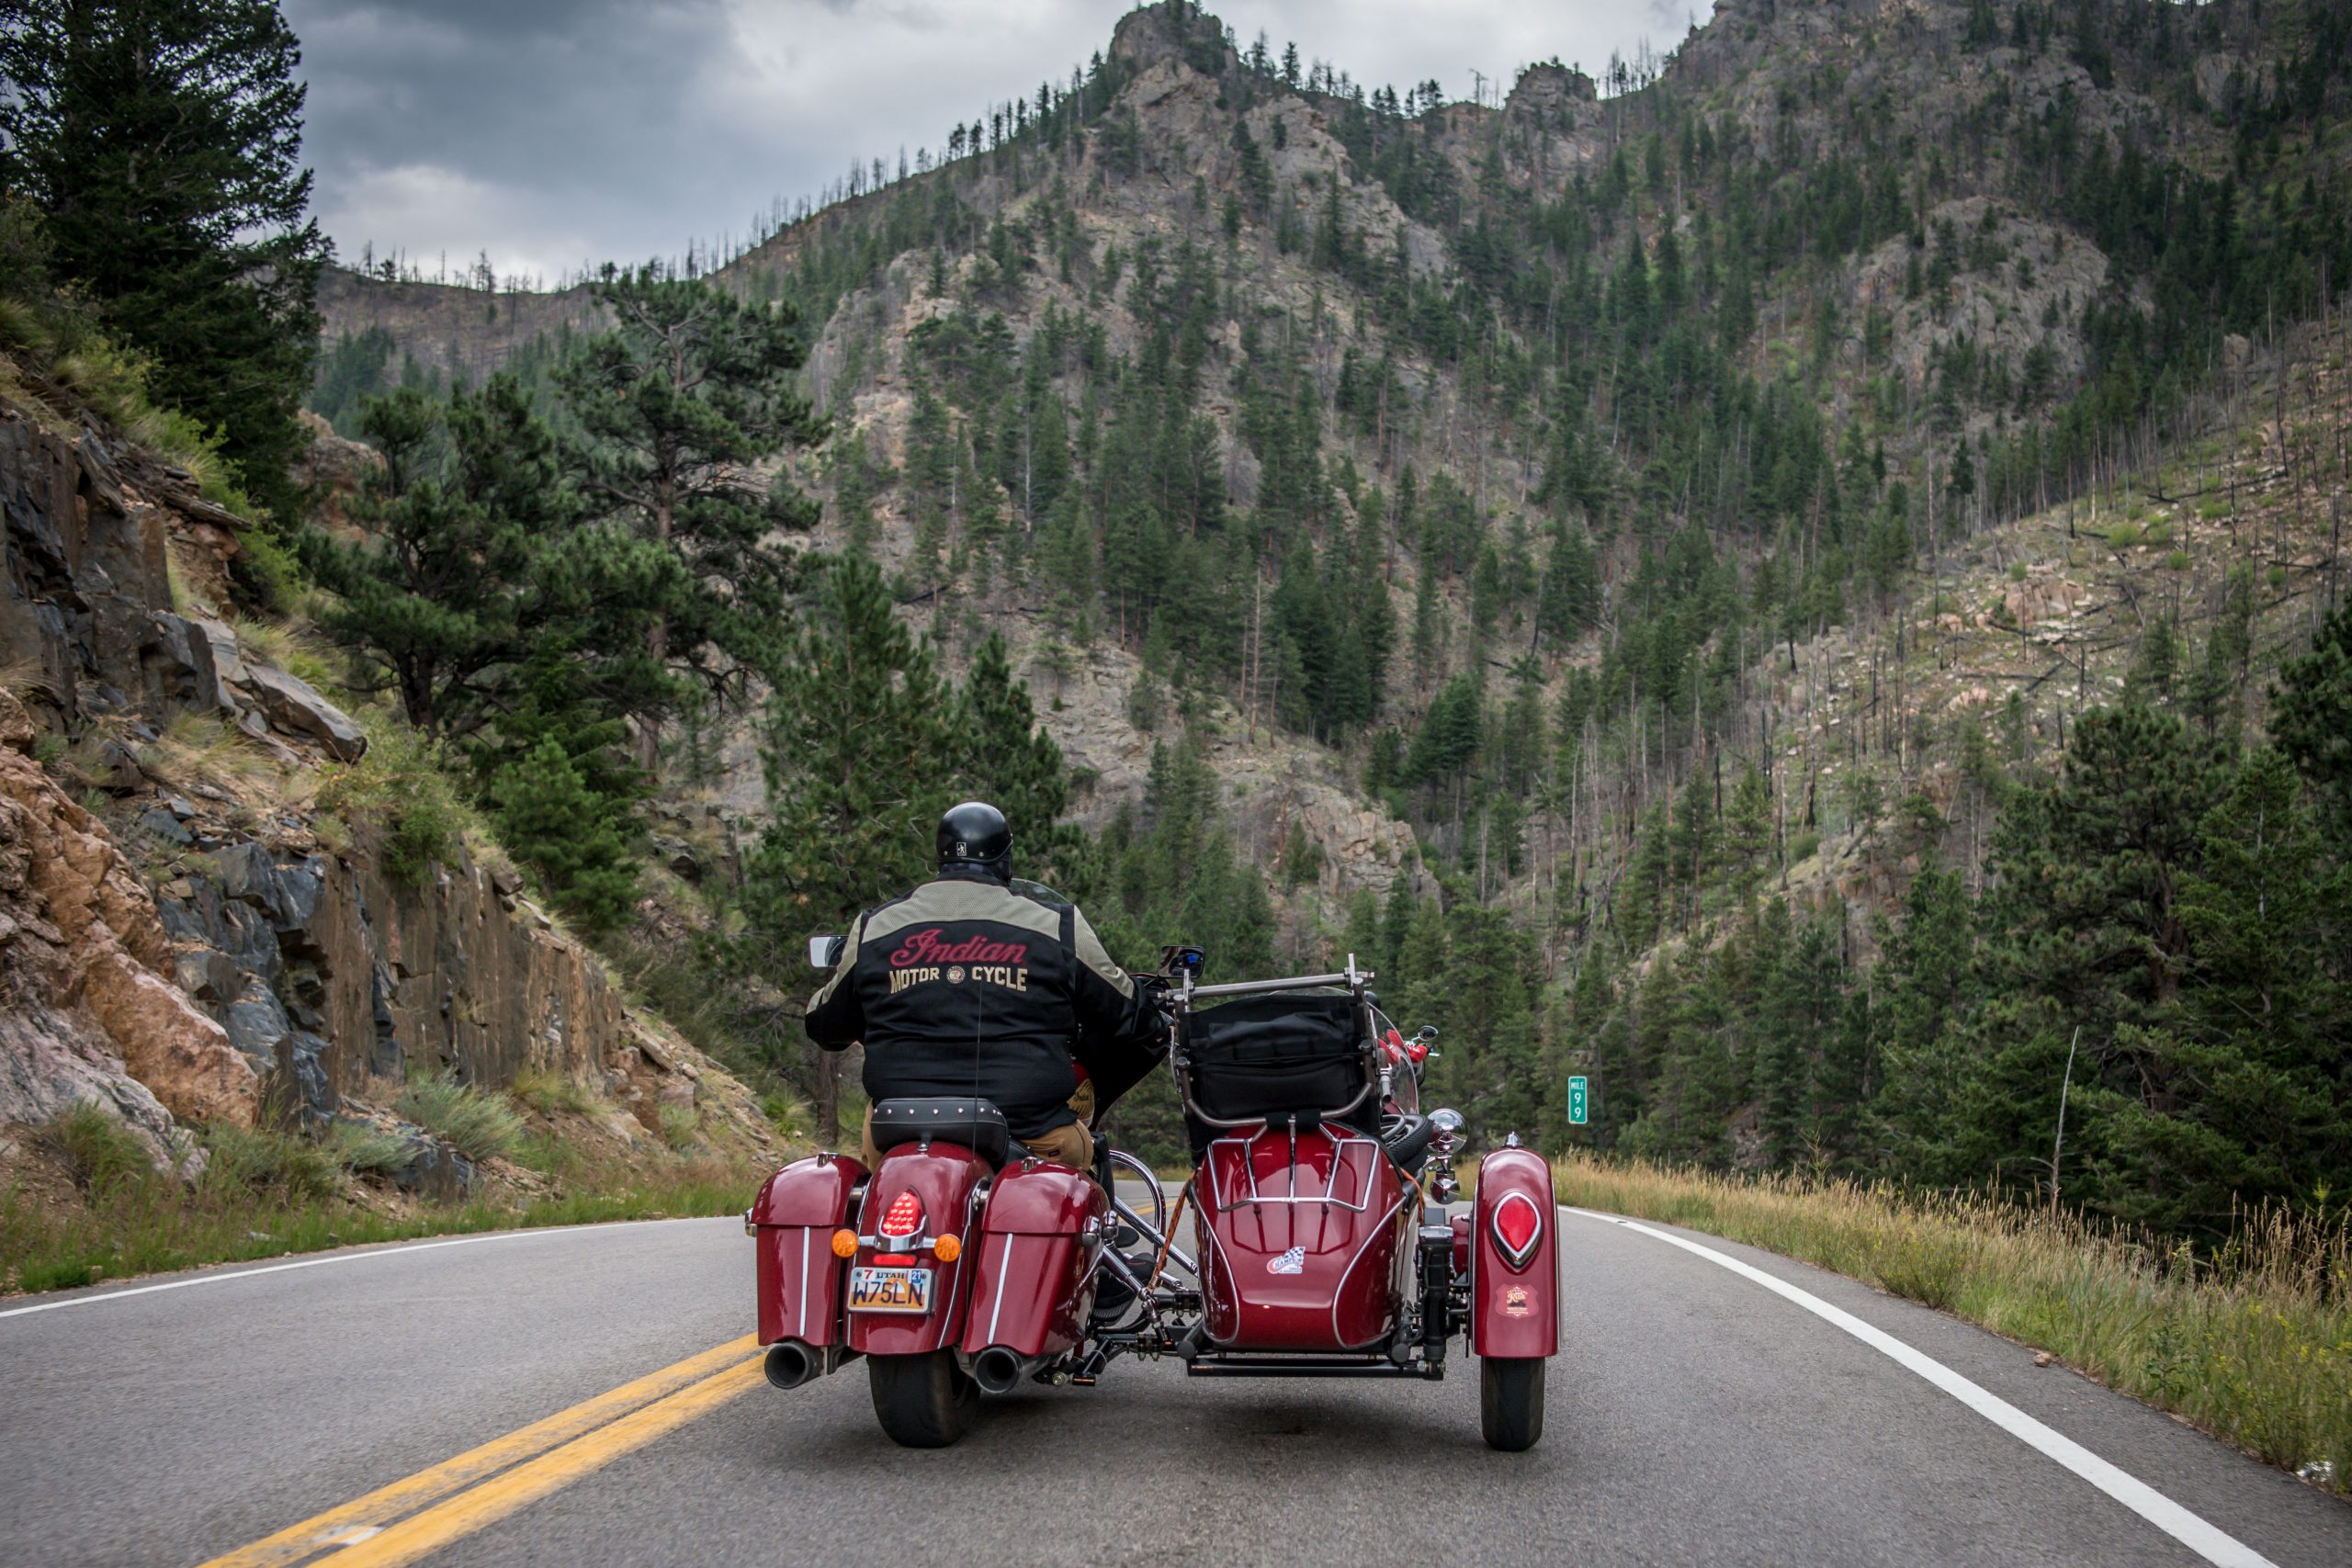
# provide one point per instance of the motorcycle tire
(922, 1401)
(1511, 1401)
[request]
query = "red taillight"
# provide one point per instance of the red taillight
(905, 1216)
(1518, 1225)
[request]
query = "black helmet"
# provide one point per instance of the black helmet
(975, 833)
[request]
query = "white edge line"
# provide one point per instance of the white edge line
(395, 1249)
(2207, 1541)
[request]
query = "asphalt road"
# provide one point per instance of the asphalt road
(1695, 1416)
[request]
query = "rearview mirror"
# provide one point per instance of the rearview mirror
(825, 951)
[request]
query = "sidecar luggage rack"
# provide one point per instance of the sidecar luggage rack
(1297, 1050)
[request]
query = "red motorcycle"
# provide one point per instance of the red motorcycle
(1322, 1244)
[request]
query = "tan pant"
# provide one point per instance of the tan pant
(1070, 1144)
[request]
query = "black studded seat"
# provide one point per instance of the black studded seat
(976, 1124)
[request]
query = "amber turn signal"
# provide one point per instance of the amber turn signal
(947, 1250)
(844, 1244)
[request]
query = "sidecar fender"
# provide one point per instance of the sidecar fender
(1033, 1257)
(1514, 1311)
(792, 1221)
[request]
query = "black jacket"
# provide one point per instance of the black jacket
(968, 987)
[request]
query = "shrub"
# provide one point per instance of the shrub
(479, 1123)
(1805, 846)
(98, 1150)
(398, 796)
(547, 1091)
(786, 1113)
(366, 1150)
(2178, 561)
(2159, 533)
(680, 1125)
(2016, 571)
(2124, 535)
(262, 1163)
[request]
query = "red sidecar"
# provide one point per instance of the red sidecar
(1322, 1240)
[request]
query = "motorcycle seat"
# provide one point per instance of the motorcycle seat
(976, 1124)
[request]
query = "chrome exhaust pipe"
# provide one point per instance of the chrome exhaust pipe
(789, 1364)
(998, 1370)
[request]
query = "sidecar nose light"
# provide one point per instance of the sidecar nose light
(1518, 1225)
(844, 1244)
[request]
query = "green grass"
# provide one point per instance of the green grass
(2254, 1343)
(96, 1149)
(153, 1223)
(479, 1123)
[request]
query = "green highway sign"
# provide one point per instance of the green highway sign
(1576, 1102)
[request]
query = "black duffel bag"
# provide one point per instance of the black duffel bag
(1276, 1056)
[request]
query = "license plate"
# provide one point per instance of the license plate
(889, 1289)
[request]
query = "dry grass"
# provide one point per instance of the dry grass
(142, 1224)
(201, 748)
(2253, 1342)
(548, 1092)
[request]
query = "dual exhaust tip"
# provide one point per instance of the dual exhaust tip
(998, 1370)
(789, 1363)
(1001, 1370)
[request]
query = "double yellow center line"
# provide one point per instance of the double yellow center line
(422, 1512)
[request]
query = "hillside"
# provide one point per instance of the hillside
(1613, 507)
(267, 984)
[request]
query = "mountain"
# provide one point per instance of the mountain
(1625, 549)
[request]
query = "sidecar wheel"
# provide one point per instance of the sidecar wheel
(1511, 1401)
(924, 1402)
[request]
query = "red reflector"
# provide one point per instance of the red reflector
(900, 1260)
(1518, 1224)
(905, 1216)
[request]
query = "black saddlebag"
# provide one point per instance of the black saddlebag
(1277, 1055)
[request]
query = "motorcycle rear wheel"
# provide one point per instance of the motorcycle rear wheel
(923, 1401)
(1511, 1401)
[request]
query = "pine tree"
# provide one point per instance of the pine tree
(681, 401)
(566, 834)
(441, 594)
(860, 762)
(2312, 720)
(1008, 761)
(1748, 830)
(162, 139)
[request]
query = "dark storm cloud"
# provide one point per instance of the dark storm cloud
(555, 133)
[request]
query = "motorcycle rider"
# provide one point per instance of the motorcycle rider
(969, 985)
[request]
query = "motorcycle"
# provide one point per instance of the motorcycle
(1327, 1238)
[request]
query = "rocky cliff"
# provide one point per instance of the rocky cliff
(185, 935)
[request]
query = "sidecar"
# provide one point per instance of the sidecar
(1319, 1191)
(1325, 1241)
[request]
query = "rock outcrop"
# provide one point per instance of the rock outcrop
(86, 1012)
(266, 971)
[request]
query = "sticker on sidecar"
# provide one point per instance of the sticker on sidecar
(1293, 1261)
(889, 1289)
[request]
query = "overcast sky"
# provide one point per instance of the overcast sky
(554, 133)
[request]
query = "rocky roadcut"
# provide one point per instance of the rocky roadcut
(194, 952)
